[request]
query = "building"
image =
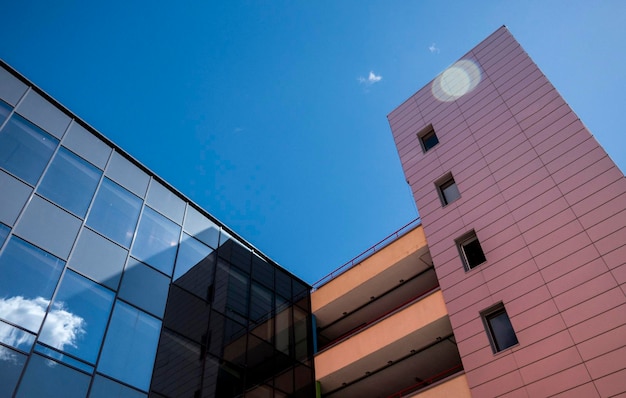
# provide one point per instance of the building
(113, 284)
(523, 226)
(512, 282)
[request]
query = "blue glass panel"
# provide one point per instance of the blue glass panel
(29, 276)
(107, 388)
(191, 253)
(145, 287)
(25, 149)
(15, 337)
(49, 352)
(5, 109)
(78, 316)
(130, 346)
(70, 182)
(115, 212)
(48, 378)
(156, 241)
(4, 232)
(11, 365)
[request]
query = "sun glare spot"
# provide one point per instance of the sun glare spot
(456, 81)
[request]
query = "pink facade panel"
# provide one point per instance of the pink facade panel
(548, 207)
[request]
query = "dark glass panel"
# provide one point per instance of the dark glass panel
(78, 316)
(106, 388)
(48, 378)
(130, 346)
(25, 149)
(304, 382)
(301, 333)
(178, 366)
(260, 361)
(187, 314)
(283, 328)
(235, 253)
(261, 303)
(262, 271)
(145, 287)
(229, 381)
(283, 284)
(70, 182)
(502, 330)
(115, 212)
(429, 140)
(29, 276)
(156, 241)
(195, 266)
(11, 365)
(284, 381)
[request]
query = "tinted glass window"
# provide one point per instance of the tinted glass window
(501, 330)
(25, 149)
(156, 241)
(78, 317)
(28, 278)
(70, 182)
(106, 388)
(145, 287)
(115, 212)
(48, 378)
(11, 364)
(15, 337)
(130, 346)
(190, 254)
(4, 232)
(429, 140)
(450, 192)
(5, 109)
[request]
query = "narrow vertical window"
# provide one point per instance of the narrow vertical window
(499, 328)
(447, 189)
(470, 250)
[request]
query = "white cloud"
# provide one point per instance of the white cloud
(62, 328)
(370, 79)
(433, 49)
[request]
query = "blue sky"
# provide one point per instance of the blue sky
(272, 114)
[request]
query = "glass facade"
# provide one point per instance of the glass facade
(113, 285)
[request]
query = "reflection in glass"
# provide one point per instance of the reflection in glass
(78, 317)
(115, 212)
(11, 364)
(16, 338)
(29, 276)
(68, 360)
(130, 346)
(191, 252)
(145, 287)
(25, 149)
(107, 388)
(5, 109)
(157, 240)
(4, 232)
(70, 182)
(48, 378)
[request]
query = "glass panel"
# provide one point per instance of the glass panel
(261, 303)
(78, 317)
(29, 276)
(190, 254)
(429, 140)
(4, 232)
(178, 370)
(262, 271)
(25, 149)
(68, 360)
(301, 335)
(13, 198)
(187, 314)
(115, 212)
(15, 337)
(11, 365)
(201, 227)
(450, 192)
(48, 378)
(156, 241)
(130, 346)
(70, 182)
(502, 330)
(145, 287)
(5, 109)
(107, 388)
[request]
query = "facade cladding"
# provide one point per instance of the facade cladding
(525, 218)
(112, 284)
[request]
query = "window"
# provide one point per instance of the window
(471, 252)
(428, 139)
(448, 191)
(499, 329)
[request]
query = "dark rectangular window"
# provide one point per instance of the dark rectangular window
(499, 328)
(471, 252)
(448, 191)
(429, 140)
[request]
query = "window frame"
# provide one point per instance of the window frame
(487, 316)
(462, 242)
(443, 183)
(424, 135)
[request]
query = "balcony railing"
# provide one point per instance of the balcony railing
(356, 260)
